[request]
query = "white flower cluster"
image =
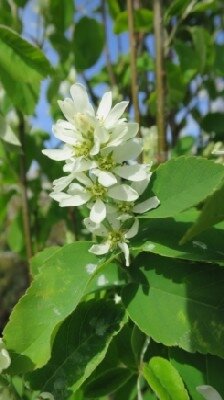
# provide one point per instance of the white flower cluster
(100, 153)
(5, 359)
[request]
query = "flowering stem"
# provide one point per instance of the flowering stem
(132, 42)
(23, 185)
(160, 90)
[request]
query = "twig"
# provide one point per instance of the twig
(23, 185)
(160, 75)
(107, 52)
(132, 42)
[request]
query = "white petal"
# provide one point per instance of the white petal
(82, 178)
(218, 152)
(115, 114)
(68, 109)
(80, 98)
(69, 136)
(100, 136)
(133, 230)
(133, 128)
(146, 205)
(59, 196)
(124, 248)
(141, 186)
(98, 212)
(76, 188)
(117, 135)
(208, 392)
(123, 193)
(46, 396)
(61, 183)
(99, 249)
(69, 165)
(97, 229)
(132, 172)
(104, 106)
(129, 150)
(105, 178)
(114, 221)
(75, 200)
(82, 165)
(5, 359)
(58, 154)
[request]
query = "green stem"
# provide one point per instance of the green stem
(23, 185)
(160, 81)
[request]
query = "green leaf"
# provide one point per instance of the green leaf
(7, 134)
(143, 21)
(182, 183)
(61, 14)
(213, 122)
(175, 8)
(200, 43)
(108, 382)
(80, 345)
(219, 59)
(177, 303)
(112, 276)
(21, 82)
(31, 64)
(55, 292)
(88, 42)
(164, 379)
(41, 258)
(197, 369)
(211, 214)
(183, 146)
(113, 8)
(163, 236)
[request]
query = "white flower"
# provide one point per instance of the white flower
(91, 190)
(110, 117)
(5, 359)
(125, 209)
(116, 235)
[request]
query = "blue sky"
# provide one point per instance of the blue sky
(32, 28)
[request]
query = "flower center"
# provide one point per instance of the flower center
(106, 163)
(125, 206)
(115, 237)
(83, 149)
(98, 190)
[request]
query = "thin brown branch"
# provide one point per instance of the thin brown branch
(160, 81)
(23, 185)
(107, 52)
(133, 56)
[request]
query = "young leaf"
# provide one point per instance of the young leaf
(55, 292)
(177, 303)
(164, 379)
(182, 183)
(80, 345)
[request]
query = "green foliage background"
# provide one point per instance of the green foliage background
(164, 335)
